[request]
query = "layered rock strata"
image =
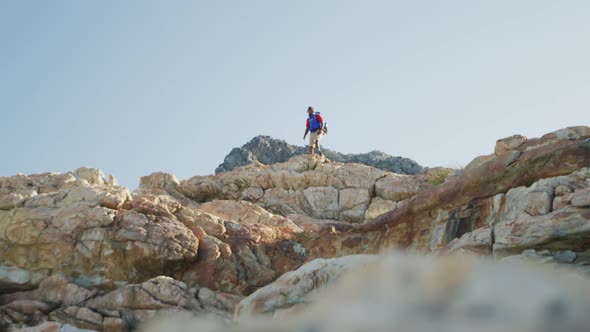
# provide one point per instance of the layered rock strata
(308, 186)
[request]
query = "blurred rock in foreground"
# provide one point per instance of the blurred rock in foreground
(402, 292)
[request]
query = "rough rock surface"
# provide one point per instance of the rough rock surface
(99, 235)
(266, 150)
(79, 225)
(187, 246)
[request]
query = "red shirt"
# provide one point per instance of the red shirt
(320, 120)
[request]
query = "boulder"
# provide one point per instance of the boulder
(509, 144)
(379, 206)
(396, 187)
(293, 287)
(533, 220)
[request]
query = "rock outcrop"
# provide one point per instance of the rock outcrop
(267, 150)
(492, 191)
(78, 225)
(314, 187)
(78, 251)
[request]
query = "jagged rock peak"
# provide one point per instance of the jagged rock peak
(267, 150)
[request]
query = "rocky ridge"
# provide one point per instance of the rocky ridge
(267, 150)
(77, 251)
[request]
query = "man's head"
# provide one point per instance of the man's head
(310, 110)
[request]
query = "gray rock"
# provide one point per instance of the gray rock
(566, 256)
(267, 150)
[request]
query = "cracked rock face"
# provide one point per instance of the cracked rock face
(76, 224)
(540, 217)
(532, 222)
(433, 217)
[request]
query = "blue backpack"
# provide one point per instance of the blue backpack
(315, 124)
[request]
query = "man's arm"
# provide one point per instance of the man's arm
(321, 121)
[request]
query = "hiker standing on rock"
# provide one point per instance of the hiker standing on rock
(315, 125)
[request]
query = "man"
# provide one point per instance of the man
(315, 125)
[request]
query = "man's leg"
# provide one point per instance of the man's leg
(312, 141)
(317, 142)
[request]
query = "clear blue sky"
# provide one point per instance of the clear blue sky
(134, 87)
